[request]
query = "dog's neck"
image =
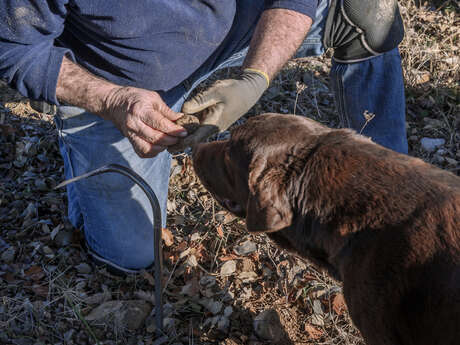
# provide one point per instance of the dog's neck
(341, 191)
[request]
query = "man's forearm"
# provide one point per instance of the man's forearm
(277, 37)
(78, 87)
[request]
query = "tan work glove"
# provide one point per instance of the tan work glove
(219, 106)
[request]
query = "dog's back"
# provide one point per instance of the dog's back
(402, 281)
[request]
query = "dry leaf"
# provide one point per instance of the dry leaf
(338, 304)
(167, 236)
(35, 273)
(313, 332)
(228, 257)
(220, 232)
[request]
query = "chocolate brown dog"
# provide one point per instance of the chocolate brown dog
(385, 224)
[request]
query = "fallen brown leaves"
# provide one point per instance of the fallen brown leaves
(218, 279)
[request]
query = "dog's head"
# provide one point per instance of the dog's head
(249, 173)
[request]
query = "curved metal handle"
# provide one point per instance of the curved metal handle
(157, 248)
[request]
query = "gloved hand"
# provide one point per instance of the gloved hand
(222, 104)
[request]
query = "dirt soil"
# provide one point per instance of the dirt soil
(222, 285)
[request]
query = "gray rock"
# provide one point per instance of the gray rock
(245, 248)
(267, 325)
(431, 144)
(131, 314)
(317, 307)
(228, 268)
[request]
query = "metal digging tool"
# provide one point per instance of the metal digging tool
(156, 228)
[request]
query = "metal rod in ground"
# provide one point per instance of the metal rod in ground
(157, 248)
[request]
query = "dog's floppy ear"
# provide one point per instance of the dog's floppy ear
(268, 207)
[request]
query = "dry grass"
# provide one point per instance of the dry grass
(46, 299)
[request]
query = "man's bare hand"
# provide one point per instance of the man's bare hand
(143, 118)
(139, 114)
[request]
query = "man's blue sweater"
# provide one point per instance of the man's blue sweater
(152, 44)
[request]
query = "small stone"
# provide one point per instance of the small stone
(245, 248)
(267, 325)
(8, 255)
(431, 144)
(131, 313)
(317, 307)
(228, 268)
(83, 268)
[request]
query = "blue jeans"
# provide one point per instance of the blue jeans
(116, 215)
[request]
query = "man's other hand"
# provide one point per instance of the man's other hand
(143, 117)
(224, 102)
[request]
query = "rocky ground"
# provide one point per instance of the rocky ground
(222, 285)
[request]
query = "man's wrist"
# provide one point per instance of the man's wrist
(260, 72)
(76, 86)
(278, 35)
